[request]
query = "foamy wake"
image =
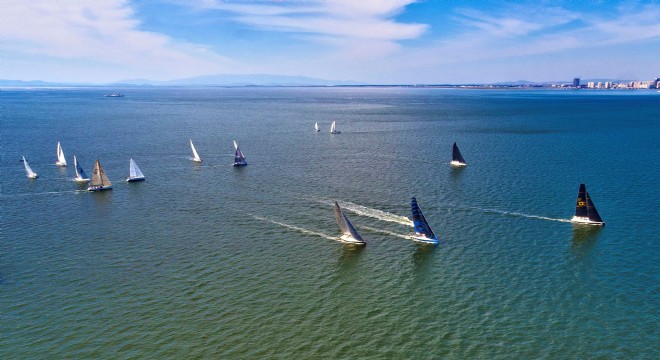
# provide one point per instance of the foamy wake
(305, 231)
(407, 237)
(518, 214)
(369, 212)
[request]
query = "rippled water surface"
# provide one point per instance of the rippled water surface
(211, 261)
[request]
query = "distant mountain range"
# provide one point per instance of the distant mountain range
(208, 80)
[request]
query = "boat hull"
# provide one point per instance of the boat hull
(135, 179)
(347, 239)
(81, 180)
(335, 132)
(457, 163)
(239, 164)
(424, 240)
(99, 188)
(33, 176)
(58, 163)
(196, 160)
(586, 221)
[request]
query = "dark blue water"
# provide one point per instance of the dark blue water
(221, 262)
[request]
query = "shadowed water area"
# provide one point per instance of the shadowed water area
(211, 261)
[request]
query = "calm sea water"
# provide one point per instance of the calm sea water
(211, 261)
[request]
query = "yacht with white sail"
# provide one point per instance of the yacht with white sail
(195, 157)
(81, 177)
(61, 160)
(134, 173)
(28, 171)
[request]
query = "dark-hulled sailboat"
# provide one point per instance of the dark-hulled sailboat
(349, 234)
(239, 158)
(100, 180)
(423, 232)
(585, 210)
(456, 157)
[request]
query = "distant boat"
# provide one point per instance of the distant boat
(585, 210)
(114, 94)
(134, 173)
(81, 177)
(316, 126)
(423, 232)
(61, 160)
(100, 180)
(457, 158)
(239, 158)
(30, 174)
(333, 128)
(349, 234)
(195, 157)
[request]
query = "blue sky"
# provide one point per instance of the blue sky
(387, 41)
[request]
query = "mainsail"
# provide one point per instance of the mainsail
(99, 178)
(61, 160)
(345, 226)
(80, 173)
(239, 158)
(30, 174)
(421, 226)
(585, 210)
(457, 158)
(316, 126)
(333, 128)
(196, 157)
(134, 171)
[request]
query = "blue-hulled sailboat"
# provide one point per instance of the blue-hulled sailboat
(423, 232)
(349, 234)
(239, 158)
(585, 210)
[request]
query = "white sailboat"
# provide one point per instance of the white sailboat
(81, 177)
(316, 126)
(100, 180)
(30, 174)
(134, 173)
(61, 160)
(349, 234)
(333, 128)
(195, 157)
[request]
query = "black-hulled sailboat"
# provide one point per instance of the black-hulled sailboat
(100, 180)
(239, 158)
(349, 234)
(456, 157)
(585, 210)
(423, 232)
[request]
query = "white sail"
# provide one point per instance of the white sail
(333, 128)
(316, 126)
(100, 180)
(80, 173)
(134, 172)
(61, 160)
(196, 157)
(30, 174)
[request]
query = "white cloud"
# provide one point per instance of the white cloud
(96, 32)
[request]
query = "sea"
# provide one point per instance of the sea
(214, 261)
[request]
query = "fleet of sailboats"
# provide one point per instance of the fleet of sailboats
(195, 157)
(134, 173)
(585, 210)
(349, 234)
(61, 160)
(456, 157)
(28, 171)
(333, 128)
(423, 232)
(81, 177)
(100, 180)
(239, 158)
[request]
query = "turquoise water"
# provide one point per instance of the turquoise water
(211, 261)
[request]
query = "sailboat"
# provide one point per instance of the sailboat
(333, 128)
(134, 173)
(81, 177)
(195, 157)
(316, 126)
(423, 232)
(349, 234)
(100, 180)
(457, 158)
(30, 174)
(585, 210)
(239, 158)
(61, 160)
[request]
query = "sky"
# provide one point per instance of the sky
(377, 41)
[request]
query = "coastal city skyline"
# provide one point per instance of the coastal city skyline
(378, 42)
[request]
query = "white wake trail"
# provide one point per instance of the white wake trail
(292, 227)
(369, 212)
